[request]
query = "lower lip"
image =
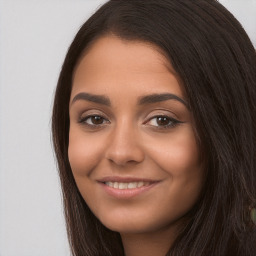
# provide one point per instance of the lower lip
(127, 193)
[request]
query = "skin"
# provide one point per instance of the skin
(127, 139)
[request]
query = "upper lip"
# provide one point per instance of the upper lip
(125, 179)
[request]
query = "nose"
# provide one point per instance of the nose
(125, 146)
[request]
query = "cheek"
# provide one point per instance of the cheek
(178, 157)
(177, 154)
(83, 153)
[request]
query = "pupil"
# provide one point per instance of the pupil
(162, 121)
(97, 120)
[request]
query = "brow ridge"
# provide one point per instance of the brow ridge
(101, 99)
(154, 98)
(148, 99)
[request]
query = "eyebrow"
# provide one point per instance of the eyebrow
(148, 99)
(154, 98)
(101, 99)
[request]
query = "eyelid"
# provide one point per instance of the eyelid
(92, 112)
(157, 113)
(173, 122)
(85, 115)
(89, 116)
(161, 112)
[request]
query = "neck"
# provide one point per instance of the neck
(150, 243)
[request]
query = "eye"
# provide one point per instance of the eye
(163, 122)
(93, 120)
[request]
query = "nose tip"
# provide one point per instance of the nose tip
(124, 158)
(124, 148)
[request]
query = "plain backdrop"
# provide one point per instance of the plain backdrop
(34, 37)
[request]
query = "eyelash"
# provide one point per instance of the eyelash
(84, 119)
(171, 122)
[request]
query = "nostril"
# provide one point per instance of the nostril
(123, 146)
(123, 157)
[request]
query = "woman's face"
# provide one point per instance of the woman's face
(132, 145)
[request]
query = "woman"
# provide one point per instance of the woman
(154, 131)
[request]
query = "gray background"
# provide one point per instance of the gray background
(34, 38)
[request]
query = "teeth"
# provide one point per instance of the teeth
(132, 185)
(122, 185)
(140, 184)
(126, 185)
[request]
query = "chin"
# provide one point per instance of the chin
(123, 224)
(132, 224)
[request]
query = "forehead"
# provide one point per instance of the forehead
(115, 48)
(114, 61)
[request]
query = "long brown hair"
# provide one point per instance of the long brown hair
(216, 61)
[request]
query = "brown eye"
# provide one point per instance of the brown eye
(94, 120)
(162, 121)
(97, 119)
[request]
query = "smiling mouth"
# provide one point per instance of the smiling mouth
(127, 185)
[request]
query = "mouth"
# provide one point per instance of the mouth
(125, 188)
(127, 185)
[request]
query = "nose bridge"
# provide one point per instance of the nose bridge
(125, 144)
